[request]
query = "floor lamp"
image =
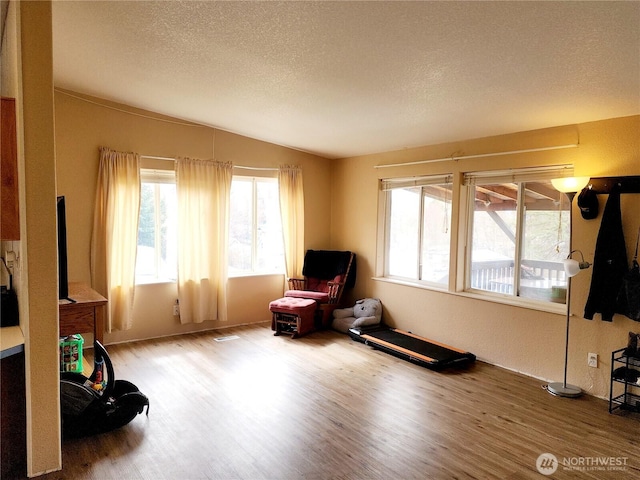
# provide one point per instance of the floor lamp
(569, 186)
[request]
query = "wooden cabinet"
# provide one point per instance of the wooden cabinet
(84, 314)
(9, 212)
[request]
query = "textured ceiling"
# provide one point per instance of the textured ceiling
(348, 78)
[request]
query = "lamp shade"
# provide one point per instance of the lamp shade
(571, 267)
(569, 184)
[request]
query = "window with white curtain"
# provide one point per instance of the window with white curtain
(156, 259)
(255, 228)
(418, 228)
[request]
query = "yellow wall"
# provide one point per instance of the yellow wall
(84, 124)
(517, 338)
(520, 339)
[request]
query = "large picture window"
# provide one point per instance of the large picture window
(507, 240)
(518, 233)
(255, 229)
(418, 228)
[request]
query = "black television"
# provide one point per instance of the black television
(63, 279)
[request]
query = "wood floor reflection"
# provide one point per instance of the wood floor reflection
(325, 407)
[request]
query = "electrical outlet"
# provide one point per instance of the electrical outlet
(176, 310)
(592, 360)
(10, 258)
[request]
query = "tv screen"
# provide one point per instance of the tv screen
(63, 281)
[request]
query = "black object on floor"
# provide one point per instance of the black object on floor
(416, 349)
(94, 405)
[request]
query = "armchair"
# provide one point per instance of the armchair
(326, 275)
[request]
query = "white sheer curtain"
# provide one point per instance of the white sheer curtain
(115, 234)
(292, 213)
(203, 189)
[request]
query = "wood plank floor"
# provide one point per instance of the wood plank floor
(325, 407)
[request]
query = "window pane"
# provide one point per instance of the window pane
(494, 237)
(436, 233)
(404, 231)
(240, 226)
(545, 243)
(541, 240)
(157, 233)
(145, 258)
(269, 247)
(255, 228)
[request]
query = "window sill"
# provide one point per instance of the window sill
(416, 284)
(160, 281)
(154, 281)
(255, 274)
(549, 307)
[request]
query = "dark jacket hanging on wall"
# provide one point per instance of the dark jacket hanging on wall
(609, 263)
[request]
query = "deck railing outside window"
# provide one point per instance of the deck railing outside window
(541, 280)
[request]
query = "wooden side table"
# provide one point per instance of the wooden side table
(85, 315)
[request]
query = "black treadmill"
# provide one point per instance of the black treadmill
(411, 347)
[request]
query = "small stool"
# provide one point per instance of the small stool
(292, 315)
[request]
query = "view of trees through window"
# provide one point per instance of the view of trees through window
(157, 234)
(514, 236)
(419, 233)
(255, 228)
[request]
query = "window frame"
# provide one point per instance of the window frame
(491, 177)
(462, 206)
(255, 179)
(386, 187)
(157, 177)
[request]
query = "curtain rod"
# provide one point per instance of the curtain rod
(152, 157)
(269, 169)
(266, 169)
(462, 157)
